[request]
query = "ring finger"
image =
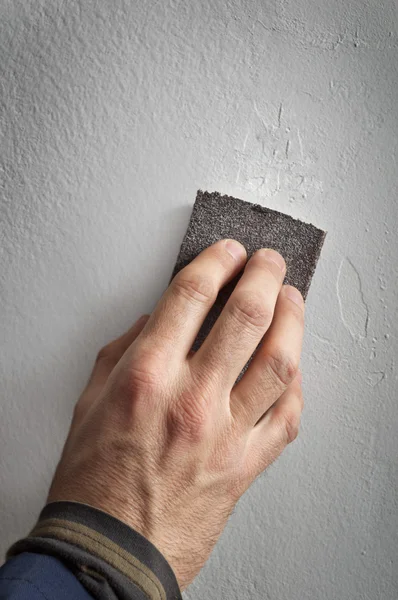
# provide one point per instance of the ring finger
(275, 363)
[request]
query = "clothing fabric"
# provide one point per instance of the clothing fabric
(91, 553)
(39, 577)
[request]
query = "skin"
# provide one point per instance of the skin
(161, 438)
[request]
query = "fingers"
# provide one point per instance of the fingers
(275, 430)
(180, 312)
(275, 363)
(244, 320)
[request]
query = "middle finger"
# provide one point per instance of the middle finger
(244, 319)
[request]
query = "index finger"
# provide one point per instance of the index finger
(179, 314)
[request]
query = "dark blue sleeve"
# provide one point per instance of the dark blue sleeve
(77, 551)
(30, 576)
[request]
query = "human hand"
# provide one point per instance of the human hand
(161, 438)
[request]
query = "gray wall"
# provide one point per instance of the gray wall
(113, 113)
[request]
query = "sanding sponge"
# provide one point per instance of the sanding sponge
(216, 217)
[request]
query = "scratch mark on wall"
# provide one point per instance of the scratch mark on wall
(313, 97)
(298, 31)
(300, 143)
(265, 26)
(354, 310)
(240, 159)
(277, 163)
(280, 115)
(319, 337)
(374, 378)
(245, 141)
(259, 115)
(340, 39)
(331, 345)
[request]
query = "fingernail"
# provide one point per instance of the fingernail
(274, 257)
(294, 294)
(235, 249)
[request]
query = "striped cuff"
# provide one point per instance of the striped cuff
(111, 560)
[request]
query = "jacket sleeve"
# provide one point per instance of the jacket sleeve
(94, 554)
(31, 576)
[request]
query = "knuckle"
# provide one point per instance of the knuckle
(143, 375)
(195, 287)
(104, 353)
(188, 416)
(250, 309)
(291, 424)
(283, 367)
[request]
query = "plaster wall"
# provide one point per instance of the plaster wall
(112, 114)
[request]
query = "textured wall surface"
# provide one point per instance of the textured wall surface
(113, 113)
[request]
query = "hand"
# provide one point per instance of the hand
(161, 438)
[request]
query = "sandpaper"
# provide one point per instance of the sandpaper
(216, 217)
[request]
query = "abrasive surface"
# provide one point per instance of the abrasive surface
(215, 217)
